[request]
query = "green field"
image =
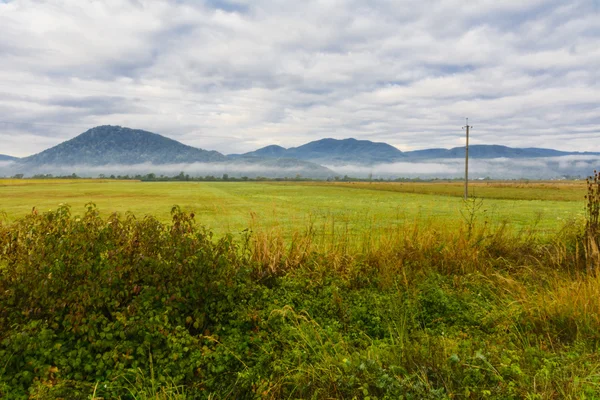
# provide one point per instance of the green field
(232, 207)
(337, 291)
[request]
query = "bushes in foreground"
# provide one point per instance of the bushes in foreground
(120, 307)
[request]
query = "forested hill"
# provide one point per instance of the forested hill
(108, 144)
(352, 151)
(334, 151)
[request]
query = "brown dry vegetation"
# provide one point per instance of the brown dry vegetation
(517, 190)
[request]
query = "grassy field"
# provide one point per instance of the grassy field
(356, 207)
(339, 291)
(510, 190)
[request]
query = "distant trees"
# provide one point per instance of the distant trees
(182, 176)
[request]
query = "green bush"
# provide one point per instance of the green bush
(130, 308)
(88, 300)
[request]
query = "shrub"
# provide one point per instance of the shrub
(87, 299)
(592, 227)
(121, 307)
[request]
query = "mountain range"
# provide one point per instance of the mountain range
(340, 152)
(334, 152)
(115, 149)
(118, 150)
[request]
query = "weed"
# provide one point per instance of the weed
(471, 208)
(592, 227)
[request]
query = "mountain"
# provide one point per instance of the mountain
(116, 150)
(486, 151)
(271, 151)
(112, 145)
(252, 166)
(346, 150)
(364, 152)
(335, 152)
(4, 157)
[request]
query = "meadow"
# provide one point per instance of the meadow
(301, 290)
(226, 207)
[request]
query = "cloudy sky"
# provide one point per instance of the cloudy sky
(235, 75)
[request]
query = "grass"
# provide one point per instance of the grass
(355, 207)
(419, 310)
(340, 290)
(509, 190)
(61, 181)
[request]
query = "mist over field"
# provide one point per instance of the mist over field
(238, 170)
(496, 168)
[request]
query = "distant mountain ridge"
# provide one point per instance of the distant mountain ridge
(108, 144)
(487, 151)
(365, 152)
(269, 151)
(118, 150)
(334, 151)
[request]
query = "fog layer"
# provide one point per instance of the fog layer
(497, 168)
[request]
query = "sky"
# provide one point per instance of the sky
(236, 75)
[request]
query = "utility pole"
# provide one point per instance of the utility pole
(467, 127)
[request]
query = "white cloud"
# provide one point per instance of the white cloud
(233, 76)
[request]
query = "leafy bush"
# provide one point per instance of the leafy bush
(86, 299)
(121, 307)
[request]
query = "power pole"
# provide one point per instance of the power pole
(467, 127)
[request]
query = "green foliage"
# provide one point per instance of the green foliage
(120, 307)
(592, 227)
(87, 299)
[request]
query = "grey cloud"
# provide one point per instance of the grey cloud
(98, 105)
(266, 72)
(228, 6)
